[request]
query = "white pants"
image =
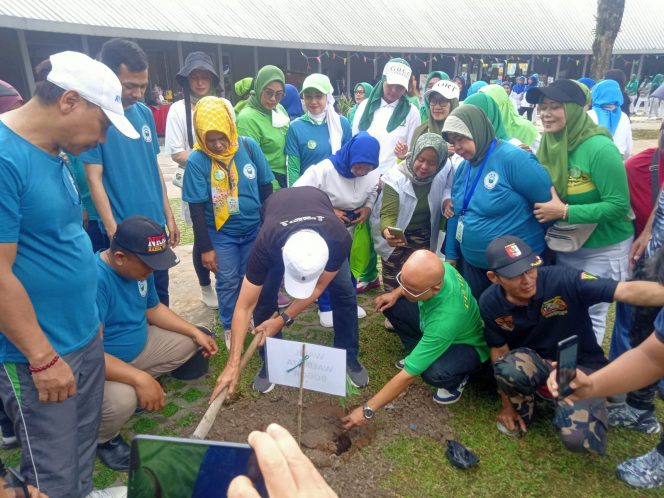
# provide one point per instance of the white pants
(607, 262)
(642, 100)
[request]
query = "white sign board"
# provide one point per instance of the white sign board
(324, 369)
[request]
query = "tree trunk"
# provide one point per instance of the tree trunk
(609, 18)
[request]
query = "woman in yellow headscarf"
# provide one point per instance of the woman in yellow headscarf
(225, 183)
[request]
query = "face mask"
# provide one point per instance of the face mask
(609, 107)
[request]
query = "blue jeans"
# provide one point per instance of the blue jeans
(232, 255)
(344, 309)
(451, 367)
(324, 300)
(620, 335)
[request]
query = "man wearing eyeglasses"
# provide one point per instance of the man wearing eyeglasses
(438, 320)
(526, 313)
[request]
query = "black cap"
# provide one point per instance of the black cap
(509, 256)
(193, 61)
(147, 240)
(560, 91)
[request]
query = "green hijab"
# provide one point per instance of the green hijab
(367, 90)
(242, 86)
(373, 104)
(633, 85)
(490, 108)
(586, 91)
(424, 108)
(407, 166)
(516, 126)
(554, 149)
(265, 76)
(471, 121)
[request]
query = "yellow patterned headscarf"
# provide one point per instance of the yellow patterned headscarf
(211, 114)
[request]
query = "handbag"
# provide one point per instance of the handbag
(178, 177)
(568, 237)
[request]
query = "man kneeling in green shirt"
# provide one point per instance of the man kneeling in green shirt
(439, 323)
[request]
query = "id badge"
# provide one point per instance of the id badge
(233, 205)
(459, 230)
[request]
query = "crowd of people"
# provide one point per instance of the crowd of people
(496, 242)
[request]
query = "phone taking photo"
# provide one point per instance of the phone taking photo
(568, 350)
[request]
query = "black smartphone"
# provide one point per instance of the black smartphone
(568, 350)
(168, 467)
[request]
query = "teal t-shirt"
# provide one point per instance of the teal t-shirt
(131, 172)
(41, 212)
(452, 316)
(597, 191)
(310, 142)
(253, 170)
(122, 305)
(83, 188)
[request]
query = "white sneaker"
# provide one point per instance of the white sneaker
(209, 297)
(227, 339)
(388, 325)
(115, 492)
(360, 312)
(325, 318)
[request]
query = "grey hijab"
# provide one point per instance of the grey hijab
(433, 140)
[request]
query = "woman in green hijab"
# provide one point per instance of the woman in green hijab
(632, 88)
(360, 92)
(516, 126)
(441, 99)
(590, 183)
(493, 194)
(265, 120)
(433, 78)
(242, 89)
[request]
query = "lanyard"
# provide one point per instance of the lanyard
(467, 195)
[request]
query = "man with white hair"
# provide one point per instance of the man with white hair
(303, 242)
(52, 372)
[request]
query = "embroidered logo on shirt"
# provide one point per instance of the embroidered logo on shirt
(143, 288)
(311, 144)
(147, 133)
(249, 171)
(491, 180)
(587, 276)
(555, 306)
(512, 250)
(506, 323)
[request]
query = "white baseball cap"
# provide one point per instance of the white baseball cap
(445, 88)
(95, 82)
(397, 73)
(305, 255)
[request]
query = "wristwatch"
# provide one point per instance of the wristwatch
(368, 412)
(288, 321)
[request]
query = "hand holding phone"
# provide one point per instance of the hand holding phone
(398, 234)
(567, 356)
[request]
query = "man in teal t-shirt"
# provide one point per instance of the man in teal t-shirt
(123, 174)
(438, 321)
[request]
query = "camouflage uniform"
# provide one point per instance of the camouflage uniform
(581, 428)
(420, 238)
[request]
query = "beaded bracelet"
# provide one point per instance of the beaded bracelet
(44, 367)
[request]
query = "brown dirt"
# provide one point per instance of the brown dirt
(351, 462)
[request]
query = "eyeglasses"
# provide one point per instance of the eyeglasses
(360, 90)
(408, 291)
(439, 102)
(269, 93)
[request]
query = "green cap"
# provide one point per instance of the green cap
(318, 82)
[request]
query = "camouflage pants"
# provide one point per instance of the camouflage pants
(419, 238)
(581, 427)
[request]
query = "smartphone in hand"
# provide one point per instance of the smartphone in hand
(567, 355)
(398, 233)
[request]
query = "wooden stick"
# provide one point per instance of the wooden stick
(299, 401)
(208, 419)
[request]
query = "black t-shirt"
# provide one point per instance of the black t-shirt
(659, 326)
(558, 310)
(284, 213)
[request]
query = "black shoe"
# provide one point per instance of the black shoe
(115, 454)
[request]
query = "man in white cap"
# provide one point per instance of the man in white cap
(387, 114)
(124, 175)
(303, 242)
(52, 373)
